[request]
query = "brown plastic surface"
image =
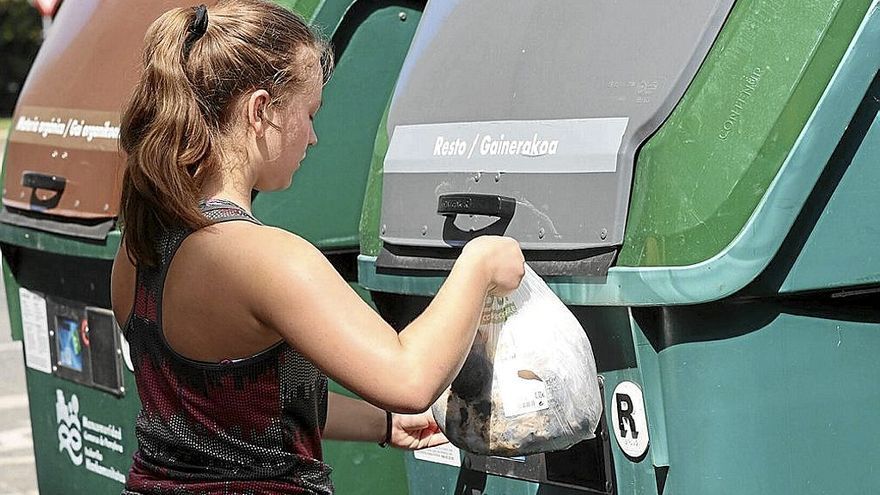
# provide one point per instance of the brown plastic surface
(68, 114)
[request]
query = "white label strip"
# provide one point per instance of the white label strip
(442, 454)
(36, 331)
(561, 146)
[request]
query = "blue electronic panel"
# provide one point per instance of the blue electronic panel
(70, 347)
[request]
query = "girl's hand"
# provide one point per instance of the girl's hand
(415, 431)
(501, 258)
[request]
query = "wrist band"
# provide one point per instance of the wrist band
(384, 443)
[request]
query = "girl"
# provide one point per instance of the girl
(233, 325)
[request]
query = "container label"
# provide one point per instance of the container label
(549, 146)
(442, 454)
(88, 442)
(35, 326)
(628, 419)
(66, 127)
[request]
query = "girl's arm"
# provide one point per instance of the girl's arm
(353, 420)
(357, 420)
(295, 291)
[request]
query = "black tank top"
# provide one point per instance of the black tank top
(251, 426)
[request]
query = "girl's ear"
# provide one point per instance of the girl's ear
(256, 111)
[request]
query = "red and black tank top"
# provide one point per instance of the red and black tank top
(245, 426)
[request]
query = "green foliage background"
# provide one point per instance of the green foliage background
(20, 38)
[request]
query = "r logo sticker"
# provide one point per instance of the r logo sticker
(624, 415)
(629, 422)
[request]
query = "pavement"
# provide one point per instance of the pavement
(18, 475)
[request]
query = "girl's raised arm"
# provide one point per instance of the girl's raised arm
(307, 302)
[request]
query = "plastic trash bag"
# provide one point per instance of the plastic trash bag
(529, 383)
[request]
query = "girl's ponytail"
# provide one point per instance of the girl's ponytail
(195, 68)
(166, 139)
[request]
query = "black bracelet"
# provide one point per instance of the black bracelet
(384, 443)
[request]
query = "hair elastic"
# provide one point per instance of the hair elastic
(200, 23)
(384, 443)
(198, 27)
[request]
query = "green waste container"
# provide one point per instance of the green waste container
(698, 182)
(58, 233)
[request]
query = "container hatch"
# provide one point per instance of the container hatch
(63, 167)
(523, 118)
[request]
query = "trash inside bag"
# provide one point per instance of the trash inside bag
(529, 382)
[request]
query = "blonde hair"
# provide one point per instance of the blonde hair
(184, 101)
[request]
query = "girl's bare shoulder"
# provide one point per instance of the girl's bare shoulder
(248, 241)
(246, 253)
(267, 269)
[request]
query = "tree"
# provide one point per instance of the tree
(20, 38)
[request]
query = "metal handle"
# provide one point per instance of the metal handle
(476, 204)
(37, 180)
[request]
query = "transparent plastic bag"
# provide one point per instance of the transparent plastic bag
(529, 383)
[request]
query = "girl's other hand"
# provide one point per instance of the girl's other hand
(415, 431)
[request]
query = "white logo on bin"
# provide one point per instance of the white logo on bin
(628, 419)
(69, 427)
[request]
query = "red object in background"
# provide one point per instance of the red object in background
(47, 8)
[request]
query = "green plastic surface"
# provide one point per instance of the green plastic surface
(324, 203)
(741, 261)
(371, 214)
(752, 396)
(13, 307)
(60, 244)
(305, 8)
(701, 176)
(759, 398)
(757, 243)
(842, 247)
(56, 473)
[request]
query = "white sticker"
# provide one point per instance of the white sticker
(628, 419)
(126, 352)
(520, 395)
(522, 146)
(442, 454)
(516, 458)
(36, 331)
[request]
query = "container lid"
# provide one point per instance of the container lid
(544, 105)
(63, 162)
